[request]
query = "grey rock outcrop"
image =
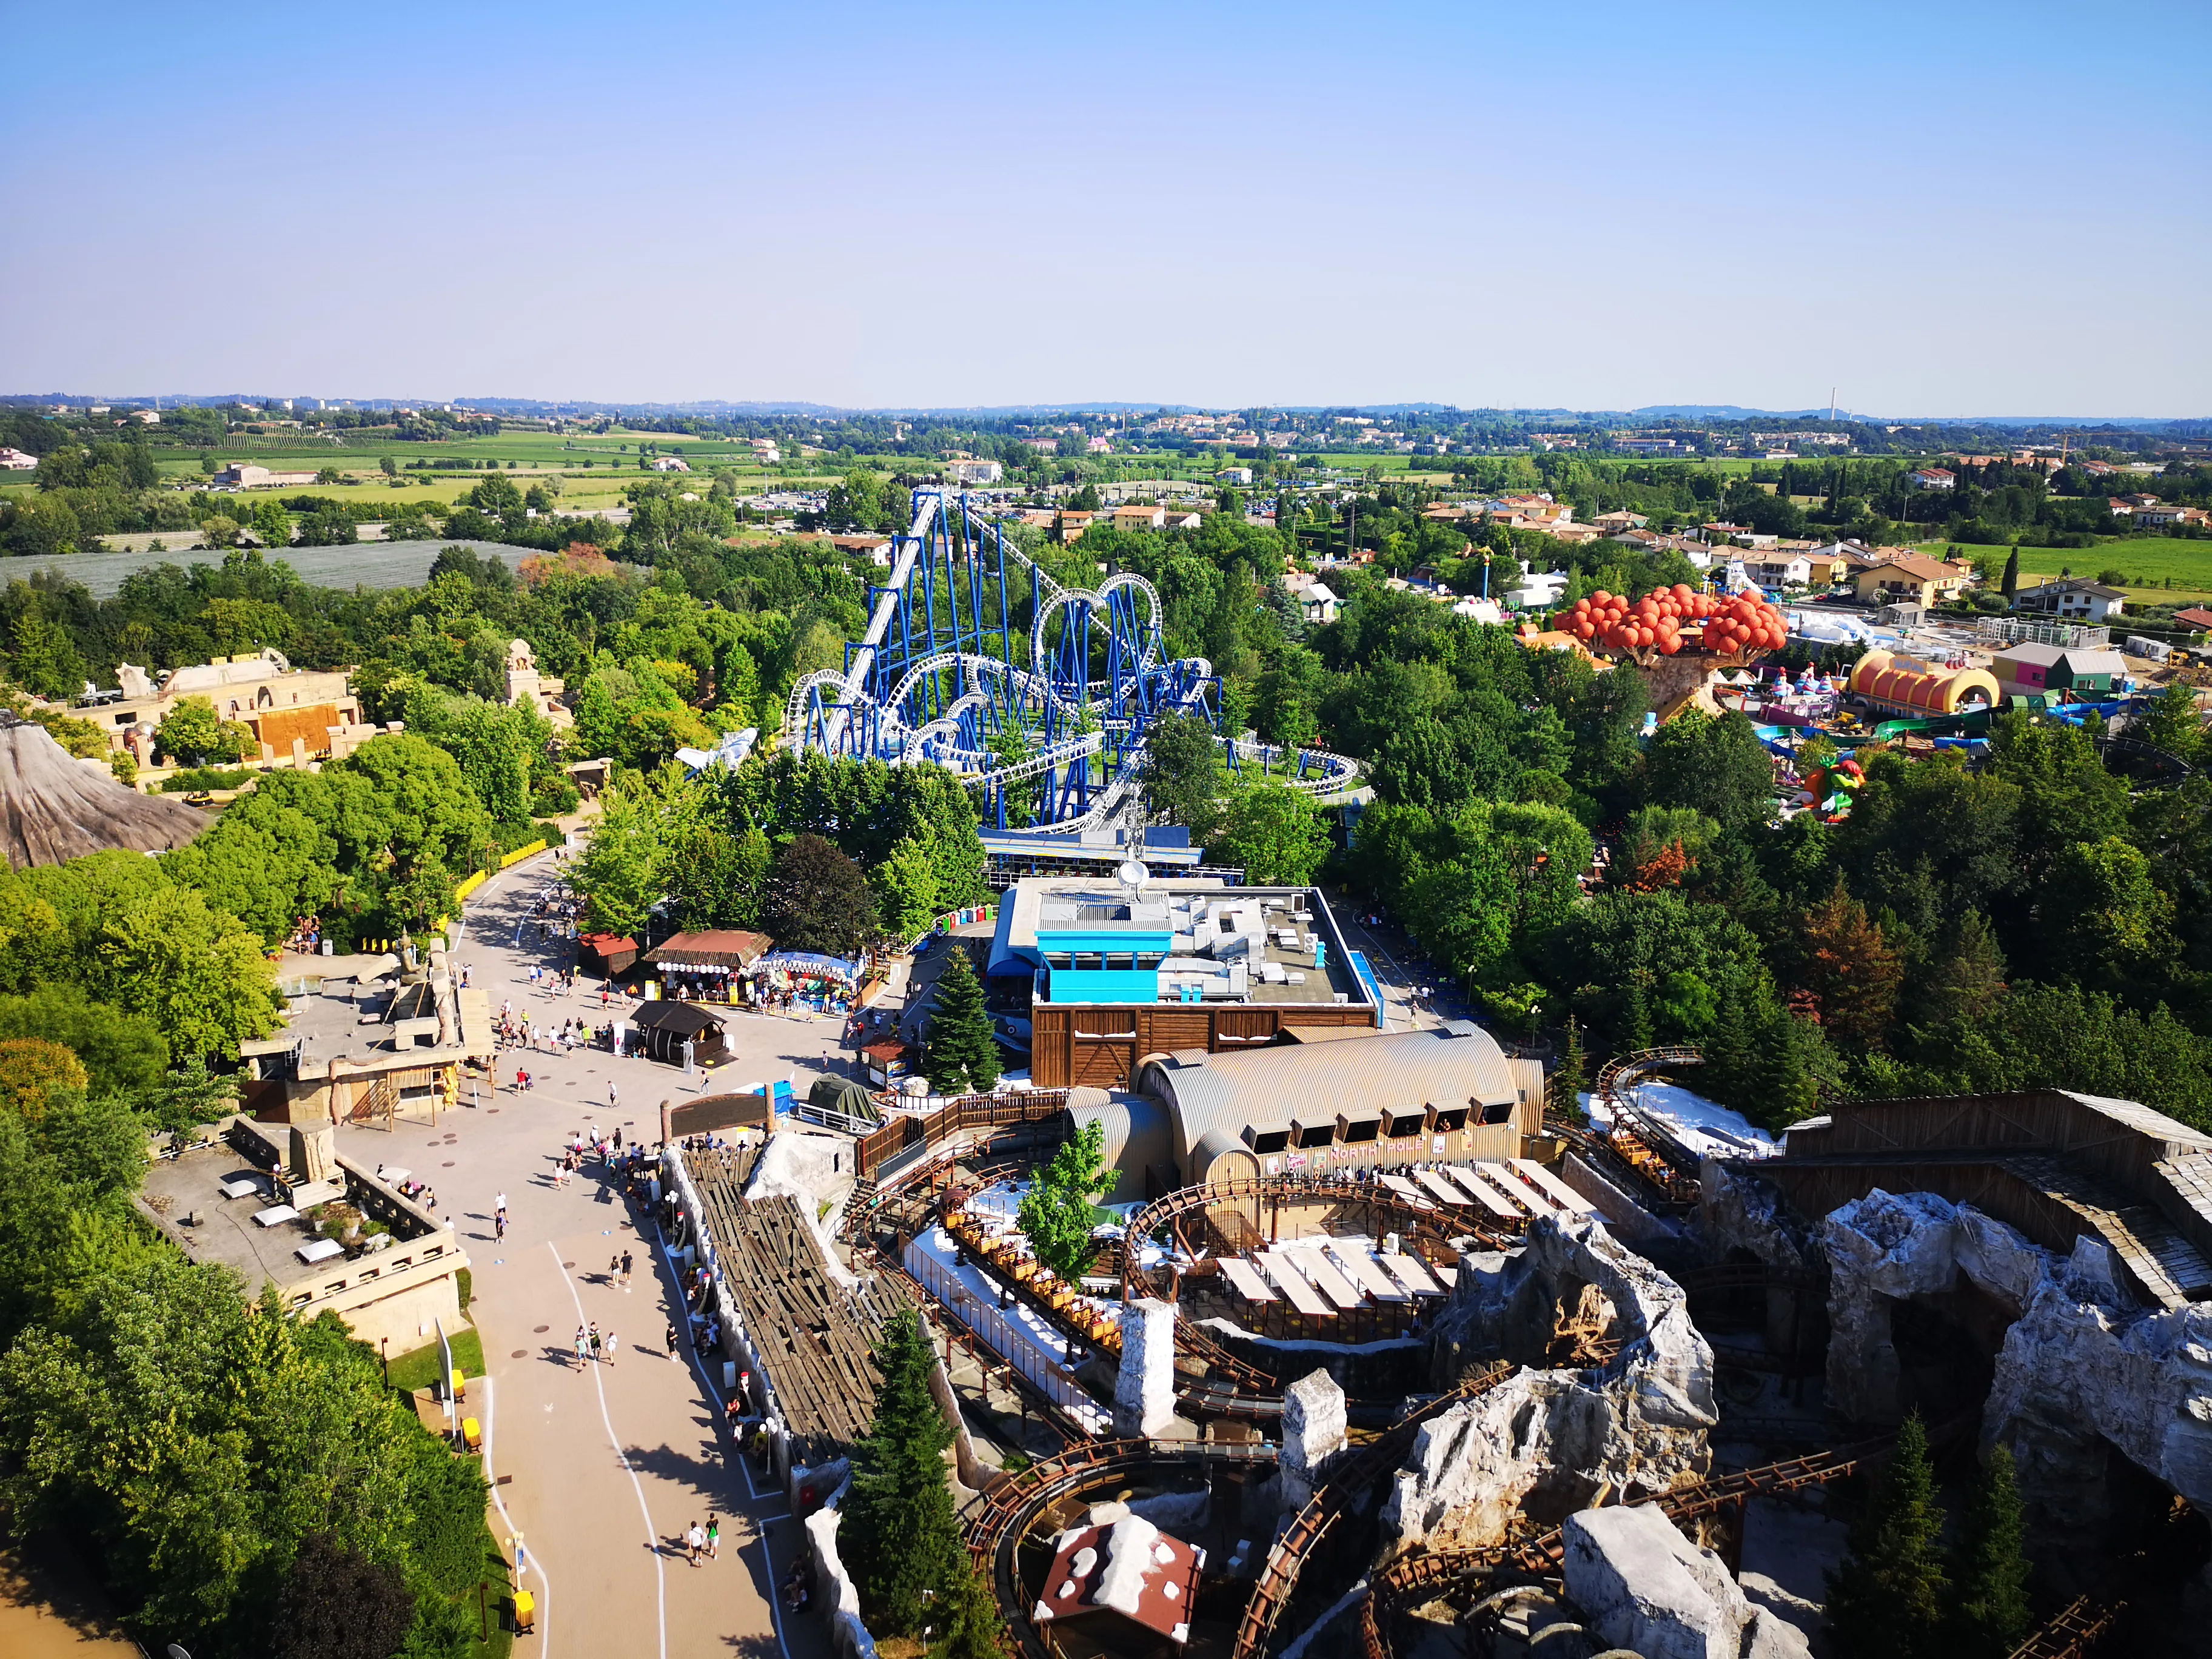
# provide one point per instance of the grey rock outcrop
(1642, 1586)
(1555, 1439)
(2083, 1365)
(1737, 1210)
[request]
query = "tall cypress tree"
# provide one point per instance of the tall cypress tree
(1886, 1599)
(1563, 1095)
(961, 1054)
(899, 1537)
(1990, 1567)
(2011, 582)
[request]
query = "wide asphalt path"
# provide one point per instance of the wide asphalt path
(600, 1469)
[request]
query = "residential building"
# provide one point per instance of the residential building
(2164, 516)
(1241, 477)
(1044, 446)
(974, 472)
(2072, 598)
(14, 460)
(1933, 477)
(1621, 518)
(245, 475)
(1780, 571)
(1890, 574)
(1183, 520)
(2079, 673)
(670, 463)
(873, 547)
(2196, 617)
(1140, 518)
(1098, 446)
(1831, 561)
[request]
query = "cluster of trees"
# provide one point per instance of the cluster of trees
(1900, 1594)
(245, 1482)
(822, 855)
(2025, 919)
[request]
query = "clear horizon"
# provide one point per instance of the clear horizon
(875, 208)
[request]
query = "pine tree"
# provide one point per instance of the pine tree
(970, 1626)
(899, 1537)
(1851, 968)
(1886, 1599)
(961, 1055)
(1563, 1095)
(1989, 1568)
(1636, 1012)
(1971, 975)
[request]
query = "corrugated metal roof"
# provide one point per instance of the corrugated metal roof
(1450, 1066)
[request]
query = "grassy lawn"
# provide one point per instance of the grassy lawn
(2146, 563)
(419, 1370)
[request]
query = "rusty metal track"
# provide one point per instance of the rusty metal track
(1278, 1577)
(2080, 1625)
(998, 1519)
(1400, 1582)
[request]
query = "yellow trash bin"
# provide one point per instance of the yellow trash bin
(472, 1434)
(526, 1612)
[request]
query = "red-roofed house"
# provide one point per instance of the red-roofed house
(1130, 1568)
(1933, 477)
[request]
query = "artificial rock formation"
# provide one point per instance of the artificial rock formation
(2083, 1366)
(1642, 1586)
(1556, 1436)
(54, 807)
(1737, 1210)
(1313, 1433)
(1144, 1388)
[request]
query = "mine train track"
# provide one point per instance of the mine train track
(1427, 1572)
(1278, 1577)
(998, 1519)
(1617, 1081)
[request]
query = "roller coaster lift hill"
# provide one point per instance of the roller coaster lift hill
(1050, 720)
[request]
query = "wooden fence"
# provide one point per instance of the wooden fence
(907, 1136)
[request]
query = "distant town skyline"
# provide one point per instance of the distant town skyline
(1976, 208)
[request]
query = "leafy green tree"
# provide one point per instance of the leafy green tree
(1886, 1599)
(191, 732)
(1182, 771)
(122, 1054)
(906, 890)
(897, 1533)
(1989, 1567)
(1717, 767)
(1060, 1211)
(1274, 831)
(619, 871)
(816, 899)
(2173, 722)
(338, 1604)
(961, 1055)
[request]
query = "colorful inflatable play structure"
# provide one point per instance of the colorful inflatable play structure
(1901, 686)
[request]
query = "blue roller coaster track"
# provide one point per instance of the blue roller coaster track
(1042, 696)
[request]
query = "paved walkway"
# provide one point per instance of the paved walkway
(606, 1466)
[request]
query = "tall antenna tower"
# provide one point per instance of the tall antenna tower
(1832, 403)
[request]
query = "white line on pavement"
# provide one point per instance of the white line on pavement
(536, 1563)
(652, 1534)
(745, 1463)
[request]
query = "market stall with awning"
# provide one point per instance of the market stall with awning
(707, 965)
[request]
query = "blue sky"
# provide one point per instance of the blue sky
(1937, 209)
